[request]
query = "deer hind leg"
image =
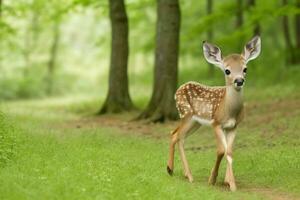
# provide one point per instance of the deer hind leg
(189, 127)
(187, 171)
(229, 177)
(174, 140)
(186, 127)
(221, 148)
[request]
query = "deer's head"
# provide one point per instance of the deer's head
(234, 66)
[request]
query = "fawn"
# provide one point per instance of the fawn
(219, 107)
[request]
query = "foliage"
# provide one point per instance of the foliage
(83, 51)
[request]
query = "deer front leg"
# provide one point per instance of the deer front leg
(229, 177)
(221, 147)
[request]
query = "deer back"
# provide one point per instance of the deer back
(194, 99)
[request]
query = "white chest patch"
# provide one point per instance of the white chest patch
(229, 124)
(202, 121)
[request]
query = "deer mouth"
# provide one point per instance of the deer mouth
(238, 87)
(239, 83)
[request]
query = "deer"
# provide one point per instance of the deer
(220, 107)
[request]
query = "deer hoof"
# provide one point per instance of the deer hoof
(170, 171)
(232, 187)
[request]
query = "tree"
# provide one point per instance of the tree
(256, 31)
(162, 103)
(31, 35)
(239, 14)
(209, 7)
(286, 28)
(292, 56)
(0, 8)
(118, 98)
(53, 55)
(55, 18)
(239, 21)
(297, 29)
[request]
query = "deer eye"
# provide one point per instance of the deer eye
(245, 70)
(227, 71)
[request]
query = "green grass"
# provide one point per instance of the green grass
(96, 164)
(56, 159)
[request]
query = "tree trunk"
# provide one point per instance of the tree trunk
(239, 23)
(118, 98)
(287, 38)
(256, 30)
(162, 103)
(1, 8)
(209, 7)
(30, 41)
(53, 55)
(239, 14)
(27, 51)
(0, 22)
(297, 29)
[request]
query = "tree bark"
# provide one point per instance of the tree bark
(239, 23)
(287, 37)
(27, 51)
(256, 30)
(210, 33)
(239, 14)
(162, 104)
(118, 98)
(1, 2)
(30, 41)
(53, 56)
(297, 29)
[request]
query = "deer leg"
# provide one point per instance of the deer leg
(174, 140)
(188, 128)
(187, 171)
(229, 177)
(221, 147)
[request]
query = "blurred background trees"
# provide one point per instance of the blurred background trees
(162, 103)
(0, 7)
(50, 48)
(118, 98)
(293, 56)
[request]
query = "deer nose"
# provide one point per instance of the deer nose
(239, 81)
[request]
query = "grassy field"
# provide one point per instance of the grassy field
(56, 149)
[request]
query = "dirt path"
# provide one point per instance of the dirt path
(139, 128)
(270, 193)
(265, 192)
(257, 113)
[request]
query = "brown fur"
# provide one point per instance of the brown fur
(223, 106)
(220, 107)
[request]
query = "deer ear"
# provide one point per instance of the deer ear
(252, 49)
(212, 54)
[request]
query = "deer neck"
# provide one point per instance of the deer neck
(233, 101)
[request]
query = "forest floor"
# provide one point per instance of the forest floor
(62, 151)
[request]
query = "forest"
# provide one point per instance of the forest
(87, 98)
